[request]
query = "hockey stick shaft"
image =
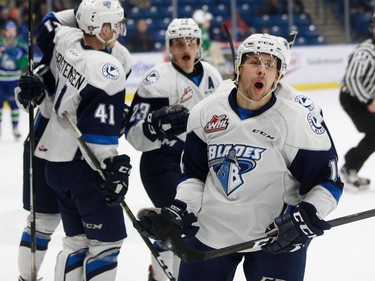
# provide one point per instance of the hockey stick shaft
(125, 206)
(32, 145)
(168, 233)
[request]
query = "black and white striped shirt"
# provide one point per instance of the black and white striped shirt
(359, 78)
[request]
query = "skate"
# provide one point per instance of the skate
(16, 133)
(353, 181)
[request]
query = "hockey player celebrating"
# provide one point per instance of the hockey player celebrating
(30, 89)
(90, 88)
(254, 163)
(159, 115)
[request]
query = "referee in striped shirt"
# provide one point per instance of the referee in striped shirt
(357, 97)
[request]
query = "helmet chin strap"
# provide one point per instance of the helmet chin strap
(106, 43)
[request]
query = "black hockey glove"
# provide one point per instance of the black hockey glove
(176, 213)
(117, 179)
(30, 90)
(144, 225)
(295, 229)
(166, 121)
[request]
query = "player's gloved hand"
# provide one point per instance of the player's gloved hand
(117, 179)
(144, 225)
(294, 229)
(166, 121)
(176, 213)
(30, 90)
(181, 218)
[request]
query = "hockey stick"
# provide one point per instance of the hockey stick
(130, 214)
(32, 145)
(167, 232)
(230, 41)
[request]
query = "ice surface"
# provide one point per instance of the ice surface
(344, 253)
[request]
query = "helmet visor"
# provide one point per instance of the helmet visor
(260, 59)
(121, 29)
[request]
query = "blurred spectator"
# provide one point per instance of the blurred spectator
(361, 6)
(211, 49)
(272, 7)
(141, 39)
(5, 15)
(298, 7)
(140, 3)
(203, 19)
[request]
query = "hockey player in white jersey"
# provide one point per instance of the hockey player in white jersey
(159, 115)
(106, 18)
(254, 163)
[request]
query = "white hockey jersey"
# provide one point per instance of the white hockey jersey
(242, 173)
(165, 85)
(91, 89)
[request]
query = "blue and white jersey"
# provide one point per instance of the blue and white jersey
(242, 169)
(166, 85)
(90, 87)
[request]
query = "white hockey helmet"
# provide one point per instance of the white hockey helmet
(92, 14)
(182, 28)
(265, 44)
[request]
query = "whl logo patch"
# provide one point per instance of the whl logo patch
(217, 123)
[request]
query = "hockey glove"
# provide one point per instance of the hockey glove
(30, 90)
(176, 213)
(295, 229)
(117, 179)
(165, 122)
(144, 225)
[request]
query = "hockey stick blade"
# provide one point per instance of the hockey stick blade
(167, 232)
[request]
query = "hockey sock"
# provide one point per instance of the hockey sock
(101, 261)
(69, 263)
(45, 225)
(167, 256)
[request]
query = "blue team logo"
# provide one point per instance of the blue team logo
(239, 160)
(151, 78)
(315, 124)
(305, 102)
(107, 4)
(111, 71)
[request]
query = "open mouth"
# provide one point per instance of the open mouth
(186, 57)
(258, 85)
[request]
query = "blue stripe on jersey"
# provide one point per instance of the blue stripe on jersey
(333, 189)
(97, 139)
